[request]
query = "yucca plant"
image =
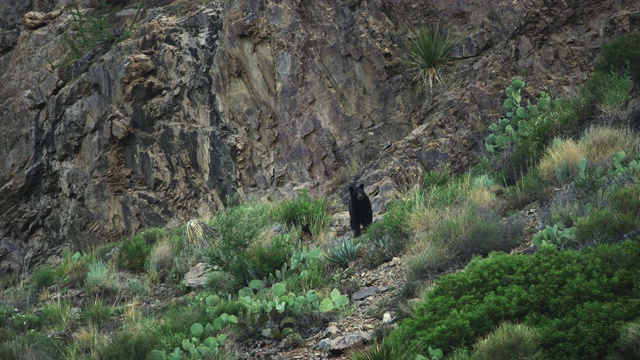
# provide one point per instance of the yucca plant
(344, 252)
(430, 54)
(196, 231)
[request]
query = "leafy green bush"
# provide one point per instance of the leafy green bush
(620, 53)
(519, 121)
(238, 227)
(557, 234)
(575, 300)
(303, 210)
(517, 141)
(135, 250)
(430, 54)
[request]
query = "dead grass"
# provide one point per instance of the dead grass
(602, 142)
(563, 154)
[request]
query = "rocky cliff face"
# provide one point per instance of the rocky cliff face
(255, 98)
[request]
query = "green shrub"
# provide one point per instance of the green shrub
(97, 313)
(74, 267)
(626, 199)
(259, 261)
(429, 54)
(100, 279)
(620, 53)
(507, 342)
(605, 226)
(135, 250)
(394, 224)
(616, 92)
(575, 300)
(57, 314)
(238, 227)
(92, 29)
(131, 345)
(43, 278)
(32, 345)
(303, 210)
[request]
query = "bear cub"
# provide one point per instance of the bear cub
(359, 209)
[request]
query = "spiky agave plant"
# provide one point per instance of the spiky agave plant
(430, 54)
(344, 252)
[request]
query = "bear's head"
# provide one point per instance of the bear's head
(357, 193)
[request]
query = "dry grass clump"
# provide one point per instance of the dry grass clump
(602, 142)
(598, 143)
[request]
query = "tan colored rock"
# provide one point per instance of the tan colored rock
(35, 19)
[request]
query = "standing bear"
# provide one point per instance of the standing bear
(359, 209)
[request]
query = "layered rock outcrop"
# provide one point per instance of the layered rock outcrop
(252, 98)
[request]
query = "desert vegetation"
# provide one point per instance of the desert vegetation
(482, 283)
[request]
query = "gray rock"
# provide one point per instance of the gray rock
(364, 293)
(344, 342)
(197, 276)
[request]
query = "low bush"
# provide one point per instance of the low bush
(574, 300)
(135, 250)
(605, 226)
(302, 211)
(621, 53)
(260, 260)
(42, 278)
(461, 233)
(101, 280)
(507, 342)
(385, 350)
(129, 345)
(239, 228)
(97, 313)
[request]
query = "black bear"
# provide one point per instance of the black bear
(359, 209)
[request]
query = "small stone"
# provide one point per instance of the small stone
(387, 319)
(333, 330)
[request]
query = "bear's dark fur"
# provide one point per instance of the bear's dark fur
(359, 209)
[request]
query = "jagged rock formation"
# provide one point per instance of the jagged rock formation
(255, 97)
